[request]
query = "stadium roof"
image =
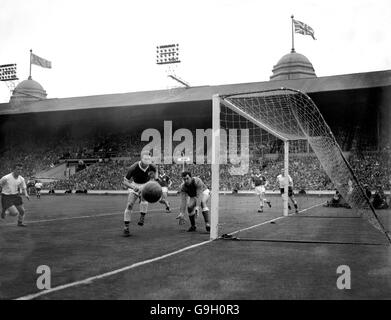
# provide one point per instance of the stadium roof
(203, 93)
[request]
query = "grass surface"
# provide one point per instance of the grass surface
(80, 236)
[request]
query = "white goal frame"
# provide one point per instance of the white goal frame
(216, 101)
(304, 112)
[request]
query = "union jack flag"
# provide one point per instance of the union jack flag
(303, 28)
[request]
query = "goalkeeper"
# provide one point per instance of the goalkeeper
(193, 190)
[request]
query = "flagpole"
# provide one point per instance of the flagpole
(31, 51)
(293, 38)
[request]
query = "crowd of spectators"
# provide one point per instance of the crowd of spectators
(306, 172)
(372, 168)
(33, 159)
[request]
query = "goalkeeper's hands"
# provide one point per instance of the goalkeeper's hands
(181, 219)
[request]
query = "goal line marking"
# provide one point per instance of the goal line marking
(275, 219)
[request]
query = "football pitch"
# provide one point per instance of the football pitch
(79, 237)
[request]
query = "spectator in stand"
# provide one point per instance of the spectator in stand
(379, 198)
(368, 191)
(80, 166)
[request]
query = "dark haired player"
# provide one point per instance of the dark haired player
(194, 189)
(38, 187)
(11, 201)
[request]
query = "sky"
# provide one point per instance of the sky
(103, 47)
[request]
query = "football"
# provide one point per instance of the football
(152, 192)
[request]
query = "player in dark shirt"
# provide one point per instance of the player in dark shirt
(259, 183)
(138, 175)
(165, 182)
(195, 189)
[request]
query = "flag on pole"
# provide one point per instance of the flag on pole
(303, 28)
(34, 59)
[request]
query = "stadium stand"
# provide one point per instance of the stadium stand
(111, 153)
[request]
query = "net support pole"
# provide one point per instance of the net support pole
(286, 182)
(214, 212)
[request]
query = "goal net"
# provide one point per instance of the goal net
(249, 128)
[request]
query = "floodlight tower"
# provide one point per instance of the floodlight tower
(168, 55)
(8, 75)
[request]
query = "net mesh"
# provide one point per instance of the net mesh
(269, 117)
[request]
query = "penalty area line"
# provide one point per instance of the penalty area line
(78, 217)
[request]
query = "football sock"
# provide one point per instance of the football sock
(127, 215)
(205, 213)
(192, 220)
(21, 216)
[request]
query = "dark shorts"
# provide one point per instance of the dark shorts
(290, 191)
(9, 200)
(38, 189)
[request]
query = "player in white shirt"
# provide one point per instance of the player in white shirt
(11, 201)
(38, 187)
(281, 183)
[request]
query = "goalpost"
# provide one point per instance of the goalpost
(280, 116)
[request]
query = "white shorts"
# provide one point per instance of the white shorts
(259, 190)
(206, 192)
(164, 189)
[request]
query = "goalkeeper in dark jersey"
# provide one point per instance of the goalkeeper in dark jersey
(193, 190)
